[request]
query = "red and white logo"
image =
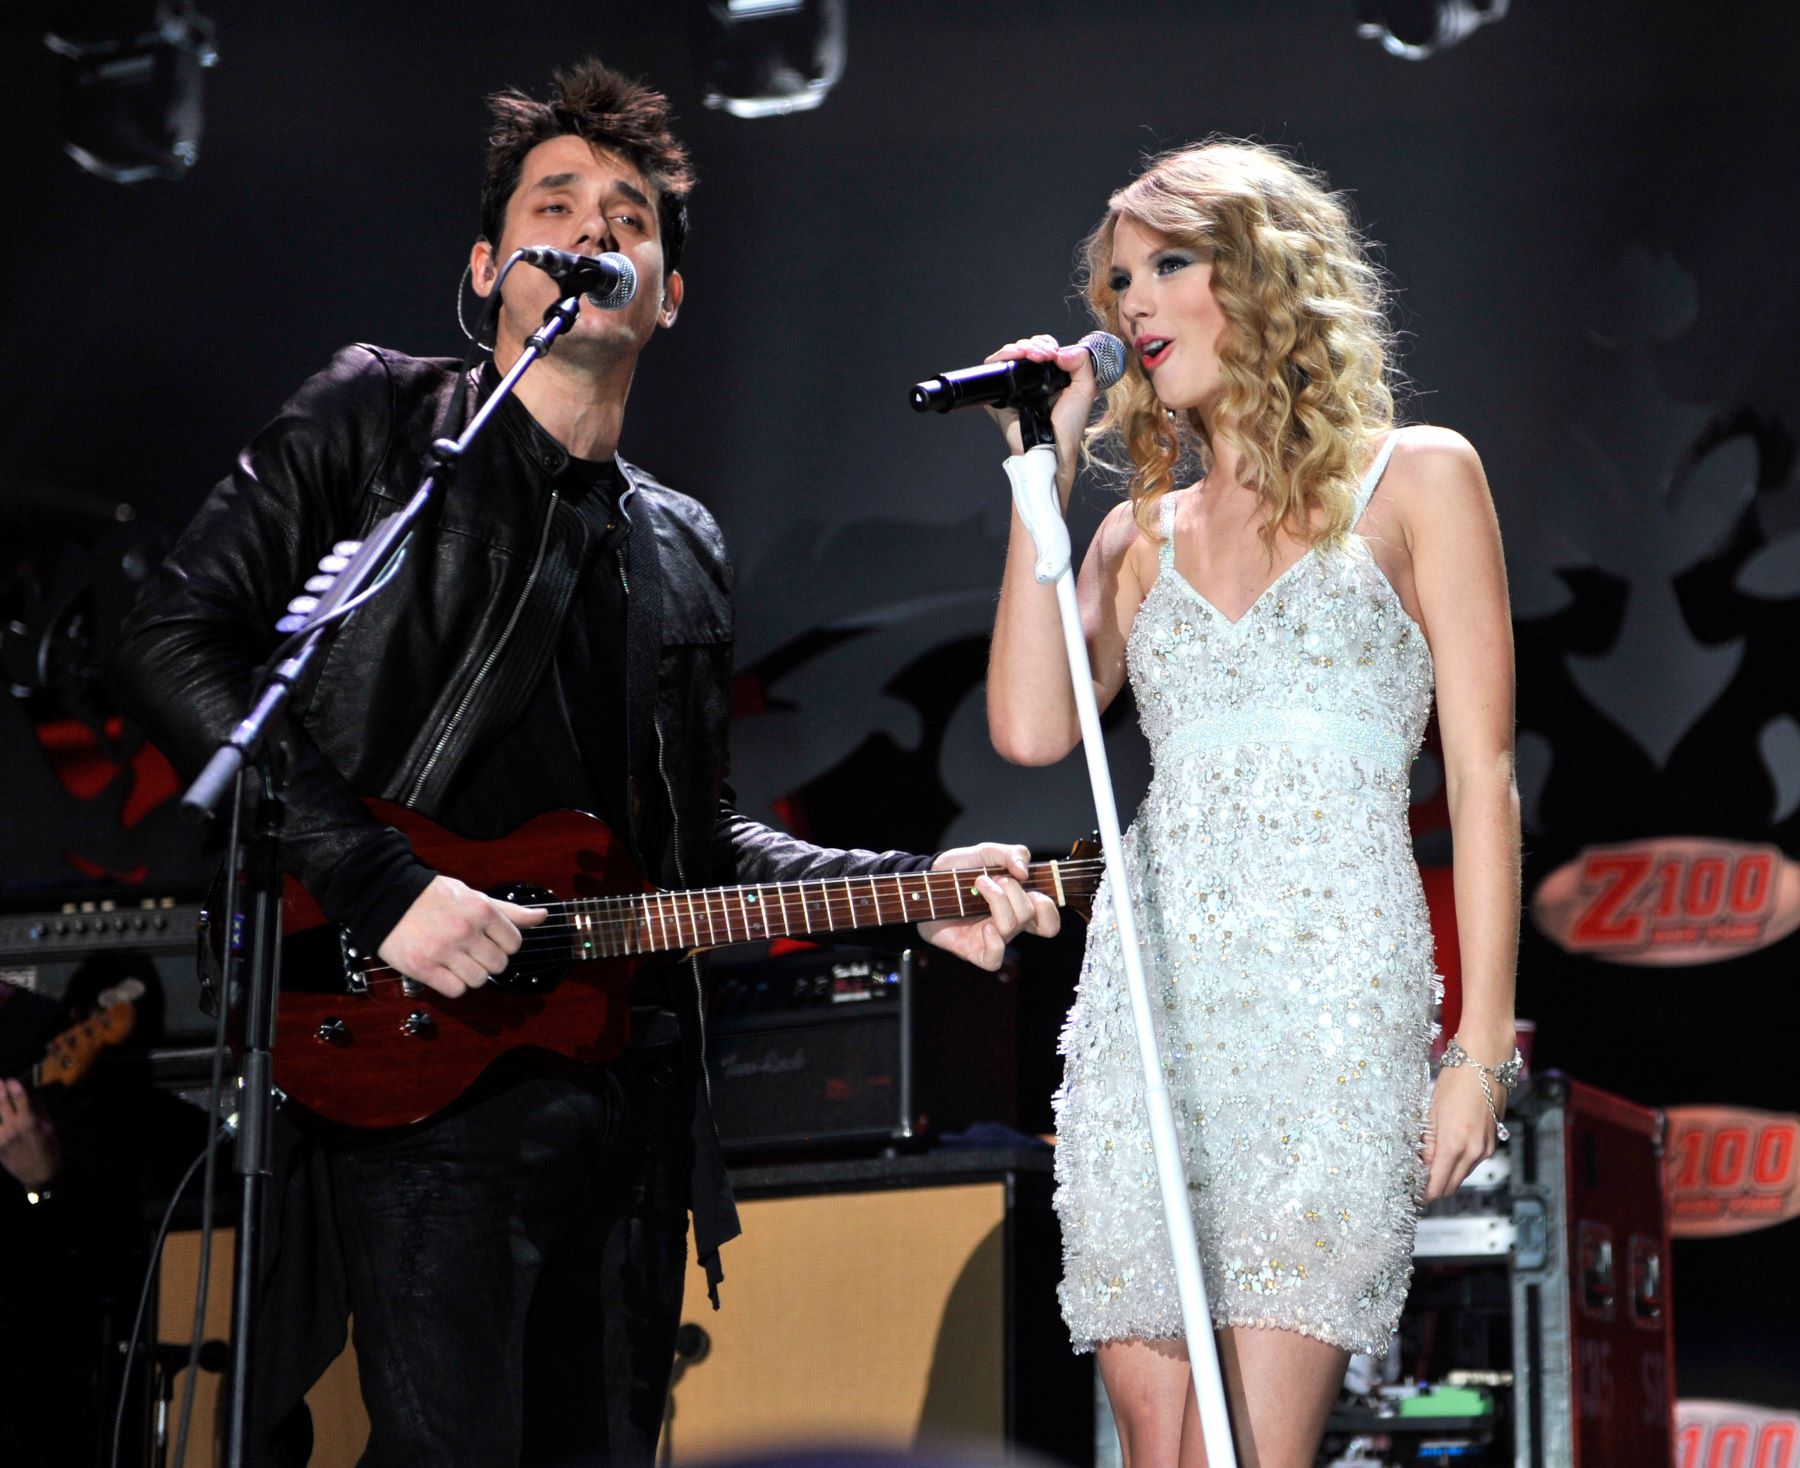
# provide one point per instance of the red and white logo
(1735, 1435)
(1730, 1170)
(1672, 900)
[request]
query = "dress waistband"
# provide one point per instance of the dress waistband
(1298, 728)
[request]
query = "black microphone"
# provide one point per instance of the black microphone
(609, 281)
(1009, 384)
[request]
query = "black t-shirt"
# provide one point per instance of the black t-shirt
(567, 751)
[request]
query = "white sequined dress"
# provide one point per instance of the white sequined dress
(1289, 957)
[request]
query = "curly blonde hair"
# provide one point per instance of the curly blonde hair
(1307, 348)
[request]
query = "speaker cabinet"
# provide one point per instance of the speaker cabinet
(340, 1426)
(890, 1304)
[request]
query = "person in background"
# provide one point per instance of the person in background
(84, 1169)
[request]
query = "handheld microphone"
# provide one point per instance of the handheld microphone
(608, 281)
(1008, 384)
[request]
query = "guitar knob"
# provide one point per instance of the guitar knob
(332, 1031)
(418, 1023)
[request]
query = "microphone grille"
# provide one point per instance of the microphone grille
(1108, 353)
(622, 293)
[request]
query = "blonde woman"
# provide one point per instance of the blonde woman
(1284, 620)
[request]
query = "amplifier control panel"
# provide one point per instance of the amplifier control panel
(163, 924)
(801, 982)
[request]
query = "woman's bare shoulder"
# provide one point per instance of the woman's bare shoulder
(1122, 546)
(1424, 452)
(1435, 476)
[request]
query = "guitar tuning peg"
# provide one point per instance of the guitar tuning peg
(303, 604)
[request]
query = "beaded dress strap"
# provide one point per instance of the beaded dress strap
(1366, 491)
(1165, 554)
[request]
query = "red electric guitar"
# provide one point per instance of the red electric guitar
(358, 1044)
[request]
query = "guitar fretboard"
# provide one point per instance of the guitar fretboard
(618, 927)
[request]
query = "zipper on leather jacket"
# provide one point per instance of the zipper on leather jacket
(662, 768)
(462, 704)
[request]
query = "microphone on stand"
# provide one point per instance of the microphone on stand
(1009, 384)
(608, 281)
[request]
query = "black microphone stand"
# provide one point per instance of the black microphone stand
(253, 935)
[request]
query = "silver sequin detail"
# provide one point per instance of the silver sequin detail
(1290, 964)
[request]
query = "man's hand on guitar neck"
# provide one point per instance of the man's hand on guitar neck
(1011, 909)
(454, 939)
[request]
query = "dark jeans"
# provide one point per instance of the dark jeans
(515, 1271)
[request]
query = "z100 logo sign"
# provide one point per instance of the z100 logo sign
(1734, 1435)
(1675, 900)
(1731, 1169)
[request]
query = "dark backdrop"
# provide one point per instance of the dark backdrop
(1589, 218)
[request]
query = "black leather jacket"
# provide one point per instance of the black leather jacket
(440, 661)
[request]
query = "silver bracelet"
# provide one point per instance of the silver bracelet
(1506, 1074)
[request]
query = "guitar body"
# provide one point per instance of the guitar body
(359, 1054)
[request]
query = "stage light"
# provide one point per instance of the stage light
(131, 88)
(1415, 29)
(767, 58)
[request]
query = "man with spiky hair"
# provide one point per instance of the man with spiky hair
(559, 637)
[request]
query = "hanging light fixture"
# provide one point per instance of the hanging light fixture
(767, 58)
(1415, 29)
(130, 107)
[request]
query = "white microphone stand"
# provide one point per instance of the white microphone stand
(1033, 476)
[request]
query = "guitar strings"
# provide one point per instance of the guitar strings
(667, 909)
(647, 919)
(1039, 880)
(632, 914)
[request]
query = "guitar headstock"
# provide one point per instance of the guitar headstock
(68, 1057)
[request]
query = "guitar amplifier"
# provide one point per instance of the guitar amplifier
(105, 940)
(835, 1047)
